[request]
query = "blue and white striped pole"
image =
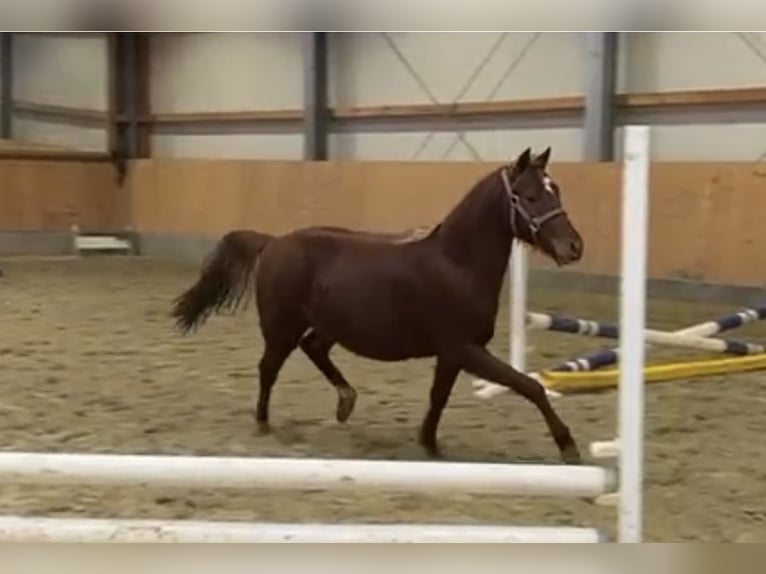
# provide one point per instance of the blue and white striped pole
(607, 357)
(693, 337)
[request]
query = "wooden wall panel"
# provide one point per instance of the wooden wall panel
(53, 195)
(705, 217)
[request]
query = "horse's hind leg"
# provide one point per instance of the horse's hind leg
(281, 334)
(318, 350)
(274, 356)
(445, 375)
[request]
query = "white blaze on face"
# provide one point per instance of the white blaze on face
(548, 184)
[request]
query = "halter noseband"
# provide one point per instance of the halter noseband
(533, 223)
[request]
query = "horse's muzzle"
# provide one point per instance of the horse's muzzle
(568, 250)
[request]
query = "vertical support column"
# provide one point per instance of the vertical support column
(112, 71)
(316, 116)
(131, 94)
(600, 80)
(635, 216)
(6, 89)
(142, 87)
(124, 96)
(129, 72)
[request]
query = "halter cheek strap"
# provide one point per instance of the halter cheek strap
(534, 223)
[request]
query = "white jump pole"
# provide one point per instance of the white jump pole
(635, 216)
(43, 529)
(518, 308)
(304, 473)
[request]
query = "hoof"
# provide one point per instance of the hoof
(571, 454)
(432, 450)
(346, 402)
(262, 426)
(435, 453)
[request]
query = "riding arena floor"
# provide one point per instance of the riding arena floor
(90, 362)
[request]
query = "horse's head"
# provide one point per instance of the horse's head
(537, 215)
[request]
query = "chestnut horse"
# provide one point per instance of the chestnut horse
(391, 297)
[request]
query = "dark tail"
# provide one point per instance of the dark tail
(226, 279)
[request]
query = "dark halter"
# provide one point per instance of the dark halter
(533, 223)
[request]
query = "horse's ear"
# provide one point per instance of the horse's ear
(522, 162)
(542, 159)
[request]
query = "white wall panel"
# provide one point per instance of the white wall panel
(654, 62)
(692, 61)
(226, 71)
(60, 70)
(63, 71)
(495, 145)
(203, 72)
(60, 134)
(235, 146)
(737, 142)
(366, 71)
(566, 143)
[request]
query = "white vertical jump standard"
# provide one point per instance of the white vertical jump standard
(633, 335)
(635, 222)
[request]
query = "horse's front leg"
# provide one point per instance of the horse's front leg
(483, 364)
